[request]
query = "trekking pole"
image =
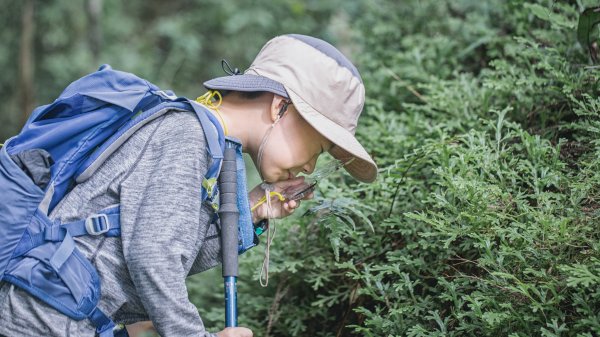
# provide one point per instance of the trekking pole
(229, 215)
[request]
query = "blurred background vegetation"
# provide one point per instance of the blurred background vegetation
(174, 44)
(483, 116)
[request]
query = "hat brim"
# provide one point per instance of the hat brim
(248, 83)
(346, 146)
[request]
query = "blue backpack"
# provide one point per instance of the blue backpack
(92, 117)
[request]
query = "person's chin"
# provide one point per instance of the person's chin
(274, 178)
(285, 175)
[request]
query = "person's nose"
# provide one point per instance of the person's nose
(309, 167)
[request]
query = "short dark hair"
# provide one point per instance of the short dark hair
(244, 94)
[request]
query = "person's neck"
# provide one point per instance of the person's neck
(246, 120)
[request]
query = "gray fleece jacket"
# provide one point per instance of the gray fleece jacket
(167, 235)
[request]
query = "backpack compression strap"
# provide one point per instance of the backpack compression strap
(105, 222)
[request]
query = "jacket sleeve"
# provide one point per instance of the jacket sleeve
(162, 223)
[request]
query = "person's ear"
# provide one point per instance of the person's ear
(279, 106)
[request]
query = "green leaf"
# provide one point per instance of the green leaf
(543, 13)
(587, 20)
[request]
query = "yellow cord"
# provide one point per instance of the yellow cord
(264, 199)
(207, 100)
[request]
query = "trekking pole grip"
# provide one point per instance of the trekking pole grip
(229, 216)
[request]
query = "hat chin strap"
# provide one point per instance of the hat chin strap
(261, 148)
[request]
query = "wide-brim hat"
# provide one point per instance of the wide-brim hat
(324, 86)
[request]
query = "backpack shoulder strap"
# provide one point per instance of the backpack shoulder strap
(212, 131)
(91, 165)
(215, 137)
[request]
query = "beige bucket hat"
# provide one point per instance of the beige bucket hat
(324, 86)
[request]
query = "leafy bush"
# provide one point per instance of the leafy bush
(483, 116)
(484, 119)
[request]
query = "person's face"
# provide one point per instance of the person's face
(293, 147)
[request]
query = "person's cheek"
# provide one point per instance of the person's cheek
(273, 171)
(282, 166)
(293, 159)
(274, 159)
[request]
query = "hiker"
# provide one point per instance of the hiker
(299, 98)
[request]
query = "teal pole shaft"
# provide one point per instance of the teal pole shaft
(230, 301)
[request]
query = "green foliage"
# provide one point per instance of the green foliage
(484, 119)
(483, 116)
(588, 19)
(175, 44)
